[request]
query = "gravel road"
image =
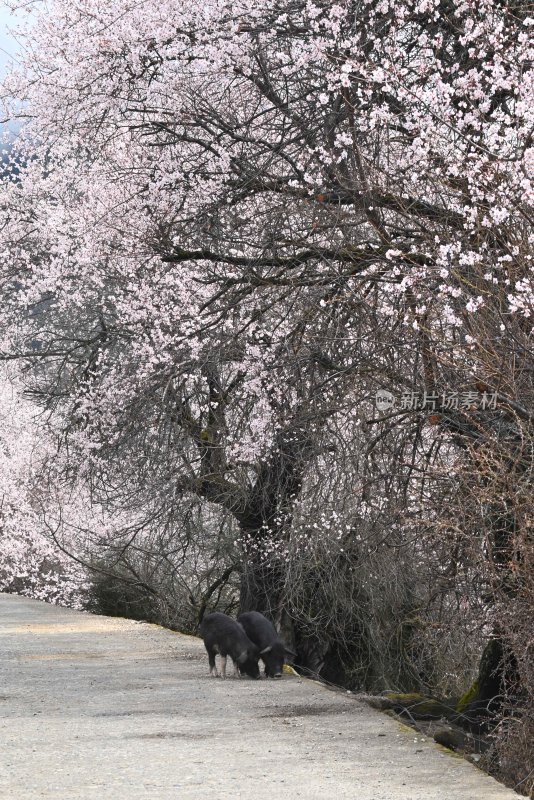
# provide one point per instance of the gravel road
(97, 707)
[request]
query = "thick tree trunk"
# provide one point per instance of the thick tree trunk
(497, 675)
(267, 519)
(261, 588)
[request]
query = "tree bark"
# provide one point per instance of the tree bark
(267, 519)
(497, 674)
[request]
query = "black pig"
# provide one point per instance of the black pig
(262, 632)
(225, 636)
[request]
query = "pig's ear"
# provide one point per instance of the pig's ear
(242, 657)
(266, 650)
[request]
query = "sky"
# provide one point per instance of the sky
(8, 49)
(8, 46)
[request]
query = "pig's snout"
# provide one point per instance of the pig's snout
(277, 675)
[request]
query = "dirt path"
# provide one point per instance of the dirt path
(95, 707)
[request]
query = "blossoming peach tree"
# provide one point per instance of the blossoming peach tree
(30, 564)
(228, 224)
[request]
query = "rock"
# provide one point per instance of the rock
(450, 738)
(418, 706)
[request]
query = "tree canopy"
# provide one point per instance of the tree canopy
(226, 227)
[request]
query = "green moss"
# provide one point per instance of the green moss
(406, 698)
(418, 705)
(467, 697)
